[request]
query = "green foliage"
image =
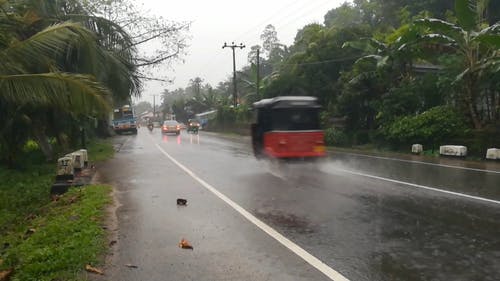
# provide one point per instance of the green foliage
(230, 119)
(100, 150)
(475, 48)
(316, 70)
(23, 193)
(431, 127)
(377, 64)
(343, 16)
(336, 137)
(226, 116)
(59, 63)
(411, 96)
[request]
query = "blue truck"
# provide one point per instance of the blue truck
(124, 120)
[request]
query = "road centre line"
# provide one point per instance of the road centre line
(421, 186)
(306, 256)
(418, 162)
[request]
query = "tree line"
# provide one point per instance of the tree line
(389, 72)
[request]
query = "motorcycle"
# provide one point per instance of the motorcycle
(193, 127)
(150, 127)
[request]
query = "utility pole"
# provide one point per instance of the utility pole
(154, 106)
(258, 72)
(233, 46)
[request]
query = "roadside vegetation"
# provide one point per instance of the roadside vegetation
(388, 74)
(64, 66)
(44, 237)
(67, 64)
(54, 240)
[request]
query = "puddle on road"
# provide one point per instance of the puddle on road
(289, 221)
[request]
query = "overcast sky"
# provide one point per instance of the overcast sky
(217, 21)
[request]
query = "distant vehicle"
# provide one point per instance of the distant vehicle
(156, 124)
(193, 126)
(124, 120)
(287, 128)
(171, 126)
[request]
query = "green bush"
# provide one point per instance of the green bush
(226, 117)
(336, 137)
(243, 114)
(231, 119)
(431, 128)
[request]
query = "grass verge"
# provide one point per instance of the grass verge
(42, 239)
(100, 150)
(57, 242)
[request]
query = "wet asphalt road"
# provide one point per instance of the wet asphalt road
(363, 227)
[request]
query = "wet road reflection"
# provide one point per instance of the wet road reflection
(368, 229)
(194, 138)
(472, 182)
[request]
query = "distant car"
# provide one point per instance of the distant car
(171, 126)
(156, 124)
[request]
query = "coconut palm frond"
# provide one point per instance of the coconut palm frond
(67, 92)
(121, 77)
(110, 34)
(52, 43)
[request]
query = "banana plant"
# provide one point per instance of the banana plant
(477, 47)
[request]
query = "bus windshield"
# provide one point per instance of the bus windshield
(123, 113)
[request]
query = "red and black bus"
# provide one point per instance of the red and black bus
(288, 128)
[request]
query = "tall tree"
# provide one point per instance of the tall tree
(195, 84)
(269, 39)
(345, 15)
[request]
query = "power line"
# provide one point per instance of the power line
(247, 34)
(283, 20)
(278, 12)
(255, 32)
(276, 20)
(321, 62)
(302, 14)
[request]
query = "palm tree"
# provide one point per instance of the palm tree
(51, 65)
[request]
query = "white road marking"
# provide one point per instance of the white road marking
(421, 186)
(418, 162)
(312, 260)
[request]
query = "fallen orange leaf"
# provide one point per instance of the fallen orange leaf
(92, 269)
(4, 275)
(184, 244)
